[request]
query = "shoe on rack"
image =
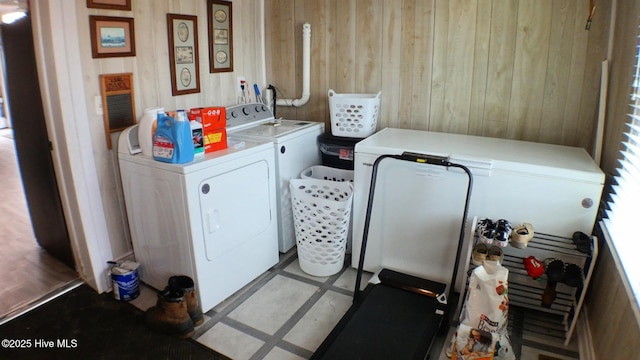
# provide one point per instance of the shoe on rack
(486, 230)
(521, 235)
(554, 268)
(188, 286)
(495, 253)
(502, 233)
(170, 314)
(582, 242)
(534, 267)
(549, 294)
(480, 252)
(573, 275)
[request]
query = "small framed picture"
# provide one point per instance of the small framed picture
(220, 36)
(110, 4)
(183, 54)
(112, 36)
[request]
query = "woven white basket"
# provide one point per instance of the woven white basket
(354, 115)
(321, 212)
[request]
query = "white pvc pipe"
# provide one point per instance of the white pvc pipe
(306, 70)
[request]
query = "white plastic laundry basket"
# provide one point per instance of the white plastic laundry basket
(327, 173)
(354, 115)
(321, 212)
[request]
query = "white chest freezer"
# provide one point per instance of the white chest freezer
(555, 188)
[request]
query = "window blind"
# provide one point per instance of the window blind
(623, 206)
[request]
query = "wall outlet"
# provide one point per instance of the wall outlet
(240, 81)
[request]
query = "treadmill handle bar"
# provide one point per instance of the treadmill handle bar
(423, 159)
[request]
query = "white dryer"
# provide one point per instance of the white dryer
(213, 219)
(295, 144)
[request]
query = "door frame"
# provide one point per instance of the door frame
(57, 48)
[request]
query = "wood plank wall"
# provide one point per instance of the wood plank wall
(523, 69)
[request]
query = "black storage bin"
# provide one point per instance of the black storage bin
(337, 152)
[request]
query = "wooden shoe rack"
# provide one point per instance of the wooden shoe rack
(526, 292)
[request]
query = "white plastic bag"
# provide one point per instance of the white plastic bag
(486, 308)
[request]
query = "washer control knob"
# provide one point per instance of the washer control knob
(245, 111)
(234, 114)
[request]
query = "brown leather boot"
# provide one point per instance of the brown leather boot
(549, 294)
(170, 314)
(188, 286)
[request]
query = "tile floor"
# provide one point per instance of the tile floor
(285, 314)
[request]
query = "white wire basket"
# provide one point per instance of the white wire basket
(327, 173)
(321, 213)
(354, 115)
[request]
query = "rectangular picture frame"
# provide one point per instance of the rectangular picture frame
(112, 36)
(118, 103)
(183, 54)
(110, 4)
(220, 26)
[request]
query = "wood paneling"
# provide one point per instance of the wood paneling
(513, 69)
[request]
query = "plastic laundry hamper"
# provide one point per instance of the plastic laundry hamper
(321, 212)
(333, 174)
(327, 173)
(354, 115)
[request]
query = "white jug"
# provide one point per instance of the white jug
(146, 127)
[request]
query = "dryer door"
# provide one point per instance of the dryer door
(235, 208)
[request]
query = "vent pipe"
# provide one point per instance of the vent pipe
(306, 70)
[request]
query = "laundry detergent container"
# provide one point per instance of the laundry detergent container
(321, 216)
(337, 151)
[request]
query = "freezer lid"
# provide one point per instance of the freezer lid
(501, 155)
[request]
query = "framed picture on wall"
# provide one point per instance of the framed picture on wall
(118, 103)
(220, 36)
(110, 4)
(183, 54)
(112, 36)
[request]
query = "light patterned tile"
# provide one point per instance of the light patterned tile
(347, 280)
(271, 306)
(318, 322)
(280, 354)
(294, 268)
(230, 342)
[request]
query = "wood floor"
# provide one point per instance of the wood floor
(27, 272)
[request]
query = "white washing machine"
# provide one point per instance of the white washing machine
(214, 219)
(295, 144)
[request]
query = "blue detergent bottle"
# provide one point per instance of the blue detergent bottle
(172, 142)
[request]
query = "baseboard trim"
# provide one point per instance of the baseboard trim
(585, 341)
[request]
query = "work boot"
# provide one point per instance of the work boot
(193, 307)
(170, 314)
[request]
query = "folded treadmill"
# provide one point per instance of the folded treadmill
(399, 317)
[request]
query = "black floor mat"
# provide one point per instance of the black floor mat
(82, 324)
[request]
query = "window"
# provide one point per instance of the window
(623, 213)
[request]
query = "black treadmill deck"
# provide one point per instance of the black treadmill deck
(378, 328)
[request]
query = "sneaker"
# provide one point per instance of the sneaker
(495, 253)
(521, 235)
(480, 252)
(502, 233)
(534, 267)
(486, 230)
